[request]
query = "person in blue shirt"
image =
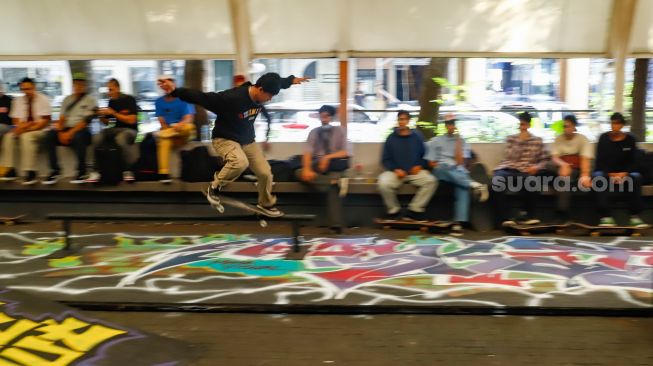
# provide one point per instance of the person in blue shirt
(403, 160)
(177, 126)
(446, 156)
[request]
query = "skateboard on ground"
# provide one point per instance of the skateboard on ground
(11, 220)
(610, 230)
(541, 228)
(232, 202)
(424, 226)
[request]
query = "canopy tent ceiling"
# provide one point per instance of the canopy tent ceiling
(68, 29)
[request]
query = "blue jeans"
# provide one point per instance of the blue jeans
(459, 178)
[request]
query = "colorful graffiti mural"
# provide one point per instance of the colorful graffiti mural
(364, 270)
(37, 332)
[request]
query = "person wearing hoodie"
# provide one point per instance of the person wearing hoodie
(403, 160)
(233, 132)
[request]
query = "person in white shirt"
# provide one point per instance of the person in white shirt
(30, 115)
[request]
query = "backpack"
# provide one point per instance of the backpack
(147, 166)
(198, 165)
(109, 162)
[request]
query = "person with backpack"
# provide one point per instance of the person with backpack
(233, 133)
(71, 130)
(177, 126)
(123, 112)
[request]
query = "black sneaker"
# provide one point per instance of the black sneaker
(392, 216)
(213, 195)
(414, 216)
(51, 179)
(30, 179)
(9, 175)
(270, 211)
(165, 178)
(79, 179)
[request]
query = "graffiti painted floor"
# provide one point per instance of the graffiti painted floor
(363, 270)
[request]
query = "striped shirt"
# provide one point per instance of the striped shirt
(522, 154)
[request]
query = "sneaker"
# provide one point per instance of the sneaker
(509, 222)
(51, 179)
(456, 229)
(128, 176)
(414, 216)
(607, 222)
(94, 177)
(480, 191)
(635, 221)
(8, 174)
(30, 179)
(80, 179)
(343, 183)
(213, 195)
(392, 216)
(526, 219)
(165, 178)
(270, 211)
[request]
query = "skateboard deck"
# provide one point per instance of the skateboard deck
(11, 220)
(232, 202)
(610, 230)
(424, 226)
(526, 230)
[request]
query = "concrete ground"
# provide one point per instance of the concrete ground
(304, 340)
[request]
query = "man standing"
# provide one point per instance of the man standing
(123, 111)
(233, 133)
(177, 126)
(403, 160)
(71, 130)
(30, 114)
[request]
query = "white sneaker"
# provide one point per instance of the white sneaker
(128, 176)
(94, 177)
(481, 190)
(271, 211)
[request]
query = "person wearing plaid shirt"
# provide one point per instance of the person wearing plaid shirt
(525, 157)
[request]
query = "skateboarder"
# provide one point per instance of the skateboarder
(233, 133)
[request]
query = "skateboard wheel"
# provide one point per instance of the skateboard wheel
(263, 223)
(423, 229)
(595, 233)
(387, 227)
(9, 223)
(636, 234)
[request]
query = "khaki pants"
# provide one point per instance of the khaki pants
(169, 139)
(389, 183)
(237, 158)
(29, 149)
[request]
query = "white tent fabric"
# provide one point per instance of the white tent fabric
(66, 29)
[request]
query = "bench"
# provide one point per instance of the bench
(68, 218)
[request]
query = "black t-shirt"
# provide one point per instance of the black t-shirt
(125, 104)
(616, 156)
(234, 108)
(5, 108)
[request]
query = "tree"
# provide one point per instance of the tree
(430, 95)
(194, 79)
(638, 110)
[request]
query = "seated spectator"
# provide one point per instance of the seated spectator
(71, 130)
(177, 126)
(446, 156)
(403, 160)
(326, 156)
(525, 157)
(616, 165)
(123, 111)
(30, 114)
(5, 109)
(571, 154)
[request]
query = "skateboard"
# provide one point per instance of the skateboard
(526, 230)
(11, 220)
(610, 230)
(424, 226)
(232, 202)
